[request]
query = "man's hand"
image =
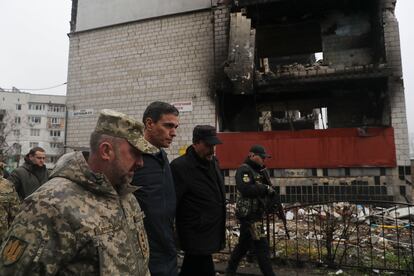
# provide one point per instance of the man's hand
(270, 190)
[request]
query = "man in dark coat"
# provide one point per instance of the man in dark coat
(156, 193)
(32, 174)
(201, 209)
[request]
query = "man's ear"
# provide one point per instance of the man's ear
(106, 151)
(149, 123)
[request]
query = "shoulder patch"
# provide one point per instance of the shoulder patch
(246, 178)
(13, 250)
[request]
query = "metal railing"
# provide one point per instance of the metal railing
(369, 235)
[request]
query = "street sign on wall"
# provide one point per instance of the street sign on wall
(184, 106)
(81, 112)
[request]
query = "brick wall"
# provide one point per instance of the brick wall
(396, 96)
(396, 86)
(221, 37)
(126, 67)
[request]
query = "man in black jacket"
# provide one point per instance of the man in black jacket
(32, 174)
(156, 193)
(252, 191)
(201, 210)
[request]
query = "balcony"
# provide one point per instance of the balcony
(330, 148)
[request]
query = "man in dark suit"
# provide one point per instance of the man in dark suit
(156, 194)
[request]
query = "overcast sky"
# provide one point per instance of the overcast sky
(34, 46)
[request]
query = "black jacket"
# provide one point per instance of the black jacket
(251, 190)
(248, 180)
(156, 196)
(201, 209)
(27, 178)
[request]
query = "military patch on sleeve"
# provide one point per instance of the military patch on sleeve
(246, 178)
(13, 250)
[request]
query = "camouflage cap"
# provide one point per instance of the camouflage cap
(113, 123)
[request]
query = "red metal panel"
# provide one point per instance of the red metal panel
(330, 148)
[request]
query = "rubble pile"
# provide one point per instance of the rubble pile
(339, 233)
(307, 70)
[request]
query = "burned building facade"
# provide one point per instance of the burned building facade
(318, 82)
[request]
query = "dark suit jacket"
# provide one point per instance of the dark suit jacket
(156, 196)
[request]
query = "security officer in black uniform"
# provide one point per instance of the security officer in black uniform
(251, 197)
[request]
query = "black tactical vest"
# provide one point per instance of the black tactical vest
(250, 209)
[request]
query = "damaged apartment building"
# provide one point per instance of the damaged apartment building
(317, 82)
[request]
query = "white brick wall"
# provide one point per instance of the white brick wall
(395, 84)
(127, 67)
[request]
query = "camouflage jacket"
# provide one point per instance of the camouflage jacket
(77, 224)
(251, 192)
(9, 205)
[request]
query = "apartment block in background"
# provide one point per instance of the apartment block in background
(31, 120)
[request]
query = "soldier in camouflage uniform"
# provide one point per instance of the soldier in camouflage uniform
(252, 194)
(9, 203)
(85, 219)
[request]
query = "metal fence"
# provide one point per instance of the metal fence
(373, 235)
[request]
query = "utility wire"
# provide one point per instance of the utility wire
(32, 89)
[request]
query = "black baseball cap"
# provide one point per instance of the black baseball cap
(207, 134)
(259, 150)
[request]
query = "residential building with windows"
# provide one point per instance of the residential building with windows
(31, 120)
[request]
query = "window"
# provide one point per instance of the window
(16, 132)
(17, 120)
(34, 132)
(56, 145)
(18, 107)
(55, 133)
(56, 108)
(36, 107)
(35, 119)
(33, 144)
(55, 120)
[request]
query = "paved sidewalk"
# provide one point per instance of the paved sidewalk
(251, 269)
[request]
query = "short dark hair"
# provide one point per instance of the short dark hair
(156, 109)
(94, 141)
(97, 138)
(33, 150)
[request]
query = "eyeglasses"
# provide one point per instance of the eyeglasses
(40, 158)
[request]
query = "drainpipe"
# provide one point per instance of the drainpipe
(66, 129)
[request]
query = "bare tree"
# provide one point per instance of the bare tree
(9, 126)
